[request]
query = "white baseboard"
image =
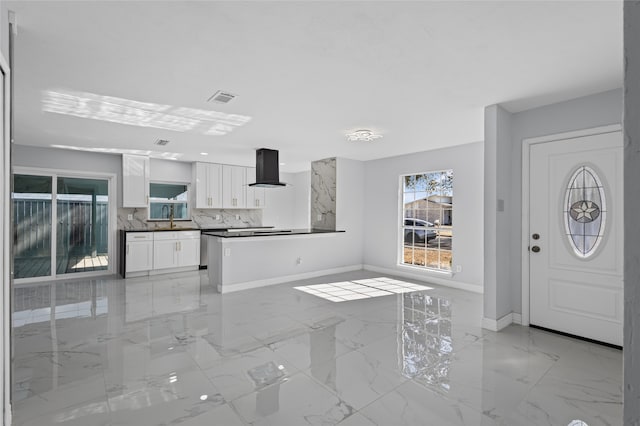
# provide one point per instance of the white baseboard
(517, 318)
(499, 324)
(434, 280)
(229, 288)
(164, 271)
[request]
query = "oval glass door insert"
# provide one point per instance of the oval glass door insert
(585, 211)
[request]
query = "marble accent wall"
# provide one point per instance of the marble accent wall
(323, 194)
(631, 205)
(201, 218)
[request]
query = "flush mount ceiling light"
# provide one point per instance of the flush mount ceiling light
(363, 135)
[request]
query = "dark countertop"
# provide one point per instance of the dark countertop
(207, 229)
(267, 233)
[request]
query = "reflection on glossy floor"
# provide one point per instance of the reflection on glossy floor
(167, 350)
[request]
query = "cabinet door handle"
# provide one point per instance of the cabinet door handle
(179, 246)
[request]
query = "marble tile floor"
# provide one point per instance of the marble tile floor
(169, 351)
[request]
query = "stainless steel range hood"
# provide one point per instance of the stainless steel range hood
(267, 169)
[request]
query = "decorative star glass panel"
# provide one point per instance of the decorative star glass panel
(585, 211)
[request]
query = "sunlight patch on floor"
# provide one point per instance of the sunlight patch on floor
(361, 289)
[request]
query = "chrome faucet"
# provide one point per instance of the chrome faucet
(171, 224)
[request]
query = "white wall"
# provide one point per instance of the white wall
(279, 205)
(497, 146)
(62, 159)
(288, 207)
(382, 219)
(632, 202)
(350, 184)
(301, 184)
(169, 171)
(4, 29)
(275, 257)
(583, 113)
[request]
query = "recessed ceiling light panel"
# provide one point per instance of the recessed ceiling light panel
(221, 97)
(363, 135)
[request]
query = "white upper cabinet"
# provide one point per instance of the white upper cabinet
(208, 182)
(135, 181)
(255, 195)
(234, 186)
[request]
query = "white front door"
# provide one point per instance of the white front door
(575, 236)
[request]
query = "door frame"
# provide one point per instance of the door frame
(526, 148)
(5, 218)
(113, 222)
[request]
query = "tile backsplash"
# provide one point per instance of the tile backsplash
(200, 218)
(323, 194)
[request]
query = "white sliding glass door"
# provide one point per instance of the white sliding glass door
(61, 225)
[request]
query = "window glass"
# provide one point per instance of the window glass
(166, 199)
(427, 230)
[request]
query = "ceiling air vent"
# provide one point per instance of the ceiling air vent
(221, 97)
(161, 142)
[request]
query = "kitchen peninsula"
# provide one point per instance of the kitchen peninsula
(241, 260)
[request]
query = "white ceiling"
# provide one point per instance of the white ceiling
(306, 72)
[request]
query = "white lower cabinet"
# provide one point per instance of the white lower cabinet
(189, 251)
(176, 249)
(139, 251)
(165, 254)
(147, 253)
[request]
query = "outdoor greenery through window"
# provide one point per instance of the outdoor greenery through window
(166, 198)
(427, 220)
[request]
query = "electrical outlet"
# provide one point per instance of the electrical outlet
(129, 217)
(237, 217)
(458, 268)
(298, 261)
(217, 217)
(319, 216)
(227, 251)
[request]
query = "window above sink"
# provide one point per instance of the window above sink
(165, 198)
